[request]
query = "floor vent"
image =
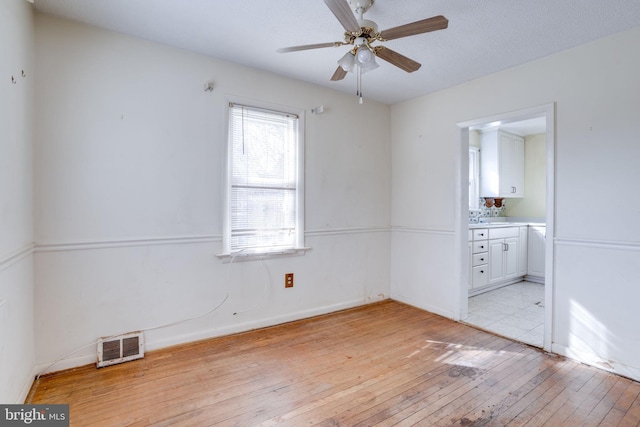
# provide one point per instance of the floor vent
(123, 348)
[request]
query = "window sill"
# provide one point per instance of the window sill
(240, 256)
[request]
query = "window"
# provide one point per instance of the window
(264, 184)
(474, 177)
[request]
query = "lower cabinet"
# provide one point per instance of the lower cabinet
(536, 251)
(503, 259)
(498, 255)
(480, 276)
(478, 247)
(523, 262)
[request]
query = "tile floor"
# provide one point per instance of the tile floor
(515, 311)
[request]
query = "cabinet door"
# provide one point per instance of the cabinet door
(470, 255)
(511, 257)
(522, 261)
(517, 162)
(505, 166)
(511, 165)
(496, 260)
(536, 249)
(480, 276)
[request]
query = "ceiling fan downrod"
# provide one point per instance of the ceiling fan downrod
(360, 6)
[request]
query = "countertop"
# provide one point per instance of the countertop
(499, 224)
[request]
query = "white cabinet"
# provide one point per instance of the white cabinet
(470, 264)
(498, 256)
(478, 247)
(504, 254)
(536, 252)
(523, 261)
(501, 165)
(503, 259)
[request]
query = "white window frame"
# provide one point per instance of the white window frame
(298, 247)
(474, 181)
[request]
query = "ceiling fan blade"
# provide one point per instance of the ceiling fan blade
(400, 61)
(308, 46)
(426, 25)
(339, 74)
(342, 11)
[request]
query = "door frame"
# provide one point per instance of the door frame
(548, 111)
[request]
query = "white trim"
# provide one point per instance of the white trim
(300, 163)
(594, 360)
(548, 111)
(253, 256)
(475, 201)
(482, 290)
(423, 231)
(124, 243)
(549, 273)
(15, 256)
(599, 244)
(257, 324)
(23, 394)
(461, 221)
(157, 344)
(343, 231)
(179, 240)
(534, 279)
(64, 364)
(427, 307)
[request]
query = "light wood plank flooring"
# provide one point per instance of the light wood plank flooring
(384, 364)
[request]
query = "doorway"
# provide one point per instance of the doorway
(520, 306)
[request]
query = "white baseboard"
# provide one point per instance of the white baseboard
(478, 291)
(248, 326)
(534, 279)
(591, 359)
(427, 307)
(61, 365)
(157, 344)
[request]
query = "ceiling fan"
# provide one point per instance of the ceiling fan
(362, 33)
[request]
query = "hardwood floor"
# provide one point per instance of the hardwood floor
(384, 364)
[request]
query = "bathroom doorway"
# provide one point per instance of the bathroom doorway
(509, 293)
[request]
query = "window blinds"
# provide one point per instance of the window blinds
(263, 176)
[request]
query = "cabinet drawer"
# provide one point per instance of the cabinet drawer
(480, 234)
(481, 246)
(479, 259)
(480, 276)
(504, 232)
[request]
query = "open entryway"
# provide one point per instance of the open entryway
(506, 177)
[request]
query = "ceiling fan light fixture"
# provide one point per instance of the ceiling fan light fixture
(364, 55)
(370, 66)
(347, 62)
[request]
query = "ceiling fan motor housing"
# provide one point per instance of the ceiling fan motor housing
(360, 6)
(365, 23)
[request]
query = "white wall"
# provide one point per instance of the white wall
(597, 233)
(16, 225)
(129, 166)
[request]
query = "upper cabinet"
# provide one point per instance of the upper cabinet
(501, 164)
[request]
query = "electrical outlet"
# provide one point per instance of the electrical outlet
(288, 280)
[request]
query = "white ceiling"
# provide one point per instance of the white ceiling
(484, 36)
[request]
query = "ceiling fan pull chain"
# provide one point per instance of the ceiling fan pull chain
(359, 80)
